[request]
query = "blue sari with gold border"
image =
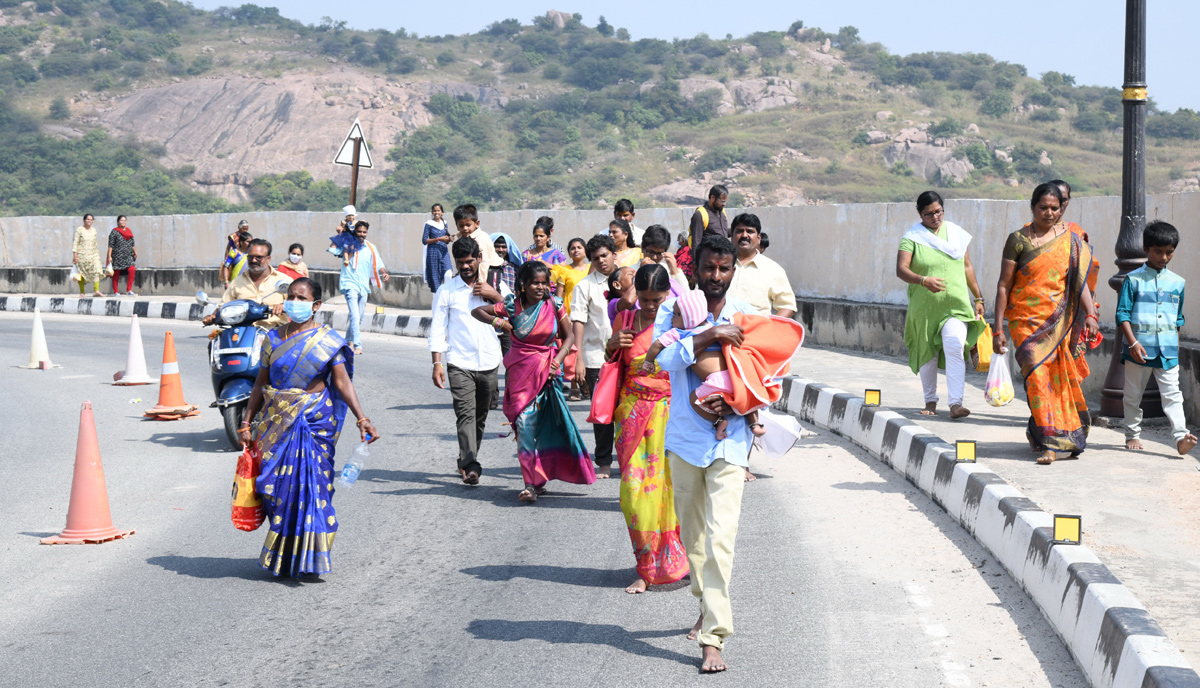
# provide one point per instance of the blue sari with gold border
(297, 432)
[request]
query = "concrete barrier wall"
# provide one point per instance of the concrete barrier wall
(831, 252)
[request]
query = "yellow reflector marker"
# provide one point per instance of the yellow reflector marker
(872, 397)
(964, 450)
(379, 310)
(1068, 530)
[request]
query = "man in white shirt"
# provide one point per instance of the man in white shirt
(466, 351)
(592, 329)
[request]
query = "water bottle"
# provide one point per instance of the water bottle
(354, 466)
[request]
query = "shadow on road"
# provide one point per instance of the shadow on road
(442, 485)
(245, 568)
(422, 407)
(569, 575)
(206, 442)
(575, 632)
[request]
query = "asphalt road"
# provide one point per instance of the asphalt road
(845, 575)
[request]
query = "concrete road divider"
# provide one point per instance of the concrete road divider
(392, 321)
(1110, 634)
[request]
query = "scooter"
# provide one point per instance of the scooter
(234, 358)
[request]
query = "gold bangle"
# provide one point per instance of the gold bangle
(358, 423)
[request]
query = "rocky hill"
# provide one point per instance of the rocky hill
(154, 106)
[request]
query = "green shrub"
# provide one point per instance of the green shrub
(446, 58)
(997, 105)
(585, 191)
(59, 108)
(552, 70)
(1045, 115)
(901, 169)
(860, 139)
(946, 128)
(405, 64)
(1092, 121)
(1184, 124)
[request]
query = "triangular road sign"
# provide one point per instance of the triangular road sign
(345, 154)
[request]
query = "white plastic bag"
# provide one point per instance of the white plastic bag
(75, 275)
(999, 388)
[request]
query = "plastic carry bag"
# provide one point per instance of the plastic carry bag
(248, 513)
(981, 353)
(76, 275)
(999, 388)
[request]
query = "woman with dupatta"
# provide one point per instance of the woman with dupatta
(647, 500)
(549, 446)
(303, 390)
(941, 324)
(1044, 293)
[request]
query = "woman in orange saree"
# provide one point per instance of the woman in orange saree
(1045, 295)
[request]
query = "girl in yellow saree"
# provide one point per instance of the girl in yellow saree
(1044, 293)
(303, 389)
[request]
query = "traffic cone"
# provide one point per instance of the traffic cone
(88, 518)
(171, 405)
(39, 354)
(135, 362)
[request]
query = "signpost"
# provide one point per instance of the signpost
(354, 153)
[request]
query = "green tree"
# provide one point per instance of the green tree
(603, 28)
(999, 104)
(59, 108)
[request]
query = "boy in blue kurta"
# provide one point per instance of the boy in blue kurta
(1149, 314)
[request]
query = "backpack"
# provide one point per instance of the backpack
(704, 218)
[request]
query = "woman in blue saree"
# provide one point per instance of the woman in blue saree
(298, 404)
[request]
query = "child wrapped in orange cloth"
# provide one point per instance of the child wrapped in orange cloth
(746, 377)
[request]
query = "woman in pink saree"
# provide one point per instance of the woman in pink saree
(549, 446)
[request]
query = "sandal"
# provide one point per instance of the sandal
(471, 478)
(540, 489)
(528, 495)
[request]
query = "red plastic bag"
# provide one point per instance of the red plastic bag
(248, 513)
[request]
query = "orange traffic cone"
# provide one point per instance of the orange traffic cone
(88, 517)
(171, 405)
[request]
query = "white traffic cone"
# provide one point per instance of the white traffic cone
(39, 354)
(135, 362)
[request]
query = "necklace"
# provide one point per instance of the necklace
(1053, 232)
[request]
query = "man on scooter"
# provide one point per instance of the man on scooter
(258, 282)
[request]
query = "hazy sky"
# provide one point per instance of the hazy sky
(1080, 37)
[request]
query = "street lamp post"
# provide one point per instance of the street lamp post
(1133, 201)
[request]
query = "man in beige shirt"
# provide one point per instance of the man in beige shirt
(258, 282)
(759, 281)
(589, 319)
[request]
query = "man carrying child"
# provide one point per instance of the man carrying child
(1149, 315)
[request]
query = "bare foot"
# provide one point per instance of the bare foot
(930, 409)
(720, 427)
(750, 476)
(528, 495)
(711, 661)
(758, 429)
(1047, 457)
(638, 586)
(603, 472)
(695, 632)
(1135, 444)
(959, 411)
(1186, 444)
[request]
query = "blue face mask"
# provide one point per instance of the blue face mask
(298, 311)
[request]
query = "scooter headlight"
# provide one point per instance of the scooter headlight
(259, 336)
(232, 314)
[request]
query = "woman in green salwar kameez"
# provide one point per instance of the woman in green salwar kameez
(941, 325)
